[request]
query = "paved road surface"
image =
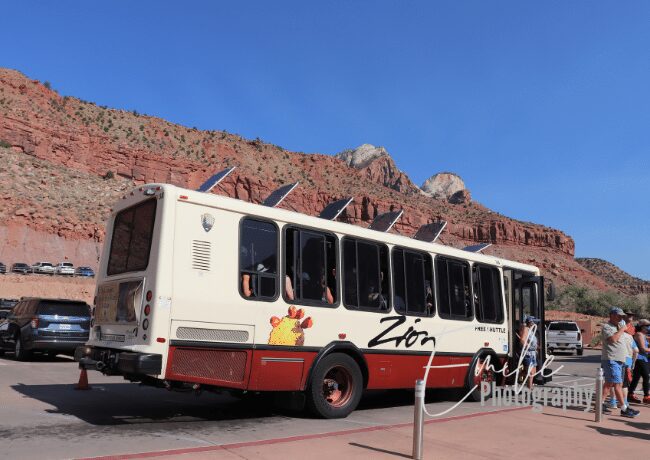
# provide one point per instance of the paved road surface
(42, 416)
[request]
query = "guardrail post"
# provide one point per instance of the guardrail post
(418, 420)
(599, 395)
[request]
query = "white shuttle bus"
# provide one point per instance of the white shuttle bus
(202, 291)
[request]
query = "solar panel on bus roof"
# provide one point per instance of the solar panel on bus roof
(477, 247)
(384, 222)
(430, 232)
(279, 195)
(214, 180)
(334, 209)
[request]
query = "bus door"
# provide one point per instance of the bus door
(527, 299)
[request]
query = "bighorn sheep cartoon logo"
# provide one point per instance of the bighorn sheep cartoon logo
(289, 330)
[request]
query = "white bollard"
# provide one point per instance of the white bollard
(418, 420)
(599, 395)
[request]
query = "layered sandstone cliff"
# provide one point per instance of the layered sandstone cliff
(119, 149)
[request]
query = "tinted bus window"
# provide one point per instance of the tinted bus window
(131, 241)
(365, 275)
(412, 283)
(453, 289)
(488, 305)
(258, 247)
(310, 267)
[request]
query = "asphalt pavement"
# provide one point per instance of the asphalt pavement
(42, 416)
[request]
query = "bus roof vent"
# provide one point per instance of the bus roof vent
(430, 232)
(201, 255)
(279, 195)
(477, 247)
(384, 222)
(334, 209)
(214, 180)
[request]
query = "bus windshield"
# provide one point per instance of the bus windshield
(131, 241)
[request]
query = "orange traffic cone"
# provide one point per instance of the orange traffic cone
(83, 380)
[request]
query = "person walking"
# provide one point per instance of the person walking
(613, 358)
(642, 364)
(529, 345)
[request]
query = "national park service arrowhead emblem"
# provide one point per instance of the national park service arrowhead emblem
(207, 220)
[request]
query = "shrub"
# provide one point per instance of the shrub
(109, 175)
(47, 84)
(4, 144)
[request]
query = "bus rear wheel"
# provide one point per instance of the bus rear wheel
(335, 387)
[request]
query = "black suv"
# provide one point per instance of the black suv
(20, 267)
(3, 268)
(46, 325)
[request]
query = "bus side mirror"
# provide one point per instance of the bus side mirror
(550, 294)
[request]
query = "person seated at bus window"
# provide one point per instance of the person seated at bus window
(429, 298)
(327, 292)
(288, 288)
(249, 281)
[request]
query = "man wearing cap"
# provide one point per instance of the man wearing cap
(613, 359)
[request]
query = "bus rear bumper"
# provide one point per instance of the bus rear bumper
(114, 362)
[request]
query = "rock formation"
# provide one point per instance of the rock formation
(55, 148)
(377, 166)
(446, 186)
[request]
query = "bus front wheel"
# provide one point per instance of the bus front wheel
(335, 387)
(481, 372)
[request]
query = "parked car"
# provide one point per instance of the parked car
(46, 325)
(84, 271)
(6, 305)
(20, 267)
(3, 268)
(44, 268)
(564, 336)
(64, 268)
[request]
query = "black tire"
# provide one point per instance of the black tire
(20, 354)
(484, 376)
(335, 387)
(579, 351)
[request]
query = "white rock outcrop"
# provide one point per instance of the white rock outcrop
(443, 186)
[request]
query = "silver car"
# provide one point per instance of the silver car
(64, 268)
(44, 268)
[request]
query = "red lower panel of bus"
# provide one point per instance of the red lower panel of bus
(279, 370)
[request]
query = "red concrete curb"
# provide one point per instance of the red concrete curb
(193, 450)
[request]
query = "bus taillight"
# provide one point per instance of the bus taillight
(147, 309)
(145, 324)
(149, 296)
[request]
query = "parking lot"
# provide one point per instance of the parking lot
(43, 416)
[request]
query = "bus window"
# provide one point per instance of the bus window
(487, 294)
(310, 259)
(131, 240)
(365, 275)
(258, 246)
(453, 289)
(412, 283)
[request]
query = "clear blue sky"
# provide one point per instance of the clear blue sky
(543, 108)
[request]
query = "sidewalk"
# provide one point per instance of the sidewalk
(510, 433)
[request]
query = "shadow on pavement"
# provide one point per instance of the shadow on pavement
(131, 404)
(40, 358)
(621, 433)
(383, 451)
(127, 403)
